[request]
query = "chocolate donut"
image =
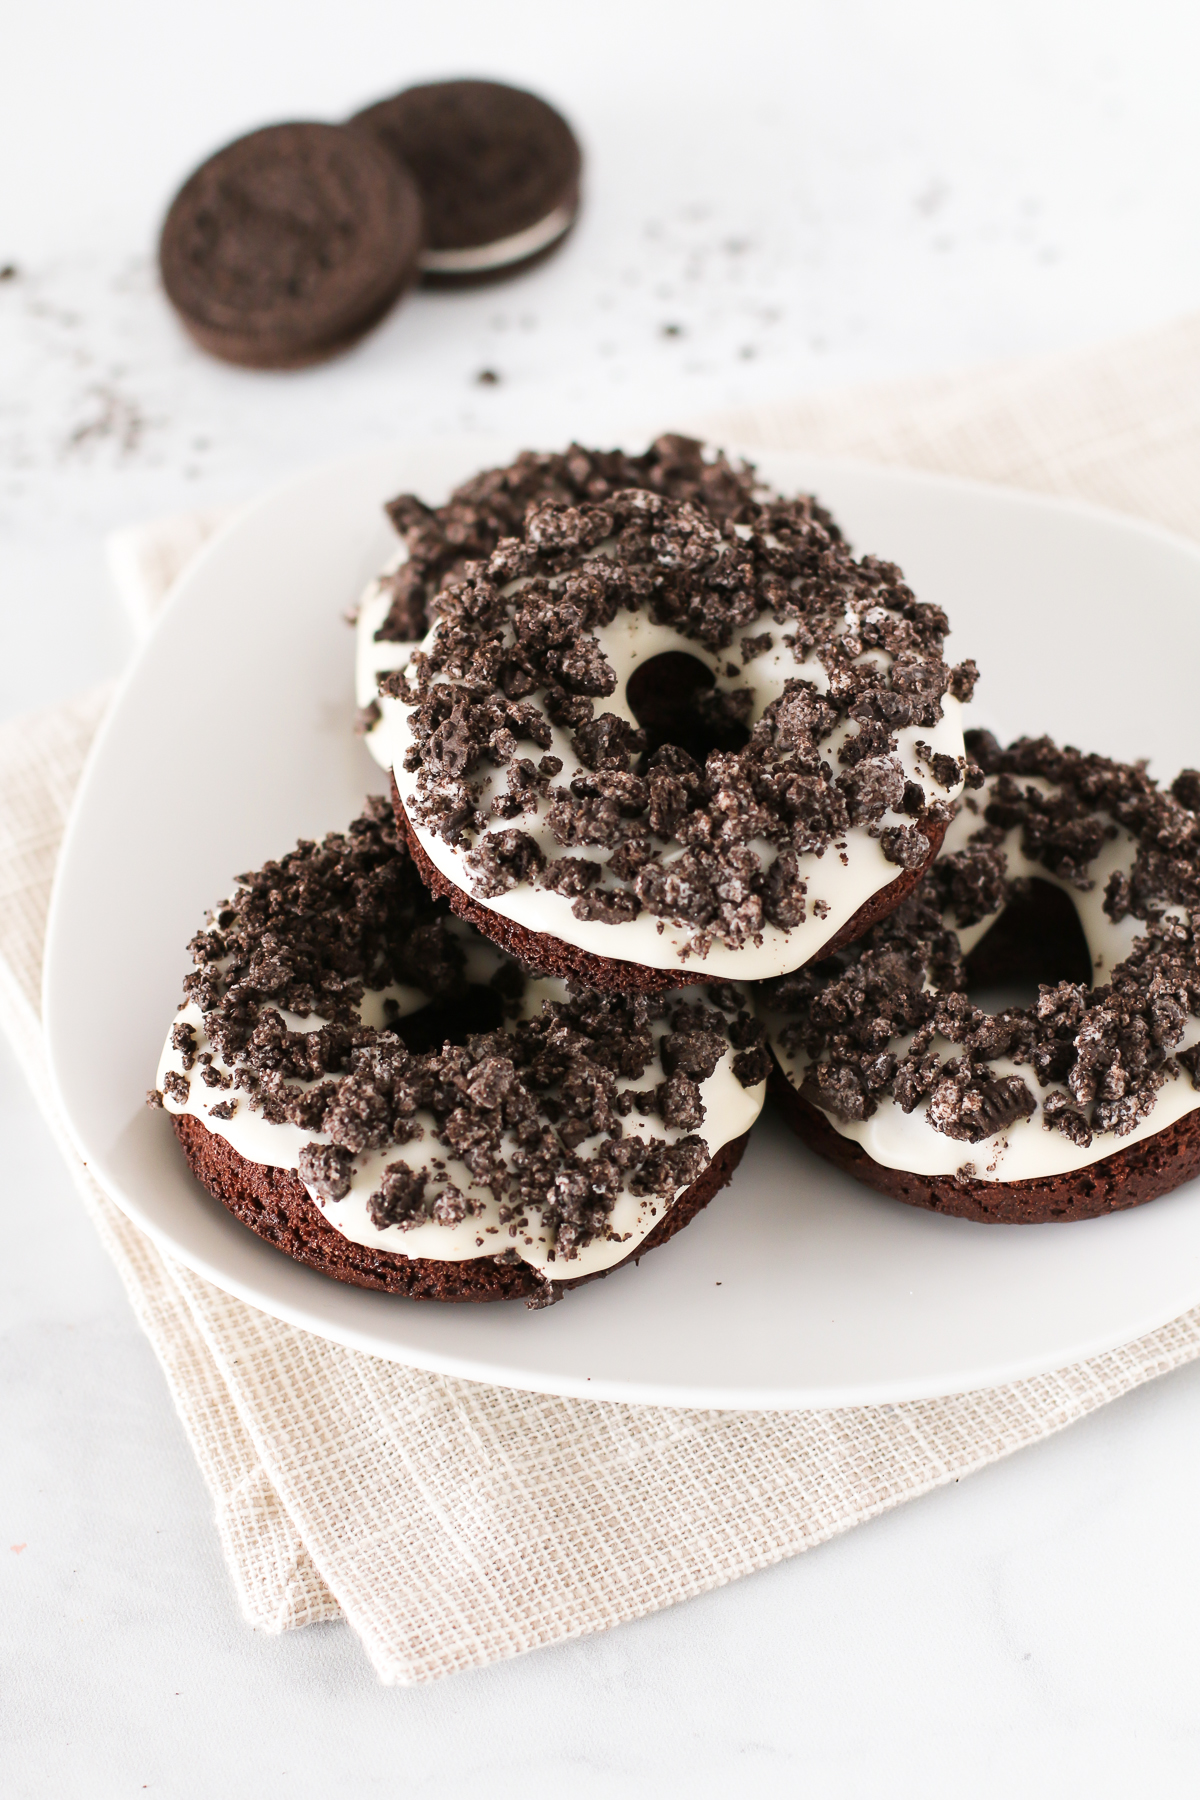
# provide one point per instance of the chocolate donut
(755, 731)
(1059, 867)
(375, 1088)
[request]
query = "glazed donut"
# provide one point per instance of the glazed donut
(1066, 868)
(378, 1090)
(650, 740)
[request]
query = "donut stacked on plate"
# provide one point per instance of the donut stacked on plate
(893, 1055)
(669, 730)
(375, 1088)
(1063, 870)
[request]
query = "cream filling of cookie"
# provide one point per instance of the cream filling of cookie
(729, 1111)
(841, 878)
(476, 259)
(1027, 1149)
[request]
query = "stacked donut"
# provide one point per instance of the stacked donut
(680, 798)
(373, 1086)
(1062, 869)
(670, 730)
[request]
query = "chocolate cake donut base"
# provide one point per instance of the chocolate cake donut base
(274, 1204)
(1129, 1177)
(552, 956)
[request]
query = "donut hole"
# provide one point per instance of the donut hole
(449, 1021)
(675, 699)
(1037, 941)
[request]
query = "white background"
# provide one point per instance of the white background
(815, 194)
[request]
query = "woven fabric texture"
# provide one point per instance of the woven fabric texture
(455, 1524)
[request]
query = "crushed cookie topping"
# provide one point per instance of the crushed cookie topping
(442, 540)
(312, 933)
(1065, 829)
(516, 651)
(865, 1020)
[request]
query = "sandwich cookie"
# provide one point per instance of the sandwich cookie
(288, 244)
(497, 168)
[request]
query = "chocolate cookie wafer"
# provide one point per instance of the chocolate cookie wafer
(285, 246)
(498, 170)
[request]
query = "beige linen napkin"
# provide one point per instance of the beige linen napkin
(454, 1524)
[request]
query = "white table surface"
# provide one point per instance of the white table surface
(816, 194)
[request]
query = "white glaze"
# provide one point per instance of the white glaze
(730, 1110)
(845, 877)
(371, 659)
(477, 259)
(1028, 1148)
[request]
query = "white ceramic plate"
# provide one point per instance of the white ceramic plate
(231, 739)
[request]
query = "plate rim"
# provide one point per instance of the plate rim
(829, 1397)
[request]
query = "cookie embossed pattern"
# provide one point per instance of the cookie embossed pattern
(498, 171)
(288, 244)
(689, 657)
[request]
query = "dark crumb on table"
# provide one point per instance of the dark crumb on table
(488, 378)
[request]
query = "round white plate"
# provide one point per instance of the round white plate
(232, 738)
